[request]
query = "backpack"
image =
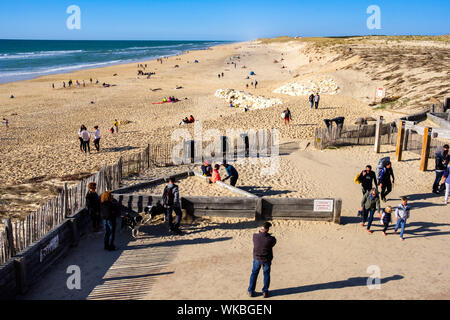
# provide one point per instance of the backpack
(168, 197)
(381, 164)
(357, 178)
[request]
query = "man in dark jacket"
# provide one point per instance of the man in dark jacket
(385, 180)
(93, 206)
(441, 159)
(263, 243)
(366, 178)
(171, 202)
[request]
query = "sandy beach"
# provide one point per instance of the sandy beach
(40, 150)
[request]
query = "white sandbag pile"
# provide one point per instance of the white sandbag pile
(243, 99)
(327, 86)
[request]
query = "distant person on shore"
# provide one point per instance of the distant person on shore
(402, 214)
(369, 203)
(207, 169)
(90, 80)
(84, 84)
(232, 173)
(385, 180)
(256, 83)
(366, 178)
(263, 242)
(441, 160)
(116, 125)
(386, 218)
(97, 138)
(109, 211)
(316, 100)
(86, 136)
(446, 179)
(222, 74)
(93, 206)
(171, 201)
(218, 75)
(287, 116)
(311, 100)
(80, 137)
(64, 84)
(53, 85)
(215, 174)
(70, 83)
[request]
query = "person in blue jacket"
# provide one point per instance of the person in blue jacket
(232, 173)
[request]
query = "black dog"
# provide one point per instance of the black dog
(135, 221)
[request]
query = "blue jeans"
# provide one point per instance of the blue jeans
(370, 213)
(254, 276)
(439, 175)
(312, 104)
(402, 223)
(110, 230)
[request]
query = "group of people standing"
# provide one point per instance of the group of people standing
(314, 100)
(85, 137)
(77, 83)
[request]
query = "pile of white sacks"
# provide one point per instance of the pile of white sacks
(243, 99)
(327, 86)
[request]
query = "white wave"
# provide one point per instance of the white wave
(38, 54)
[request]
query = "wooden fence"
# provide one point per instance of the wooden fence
(19, 235)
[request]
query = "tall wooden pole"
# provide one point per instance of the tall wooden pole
(400, 138)
(425, 149)
(378, 134)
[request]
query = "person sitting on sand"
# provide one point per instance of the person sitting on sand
(185, 121)
(215, 174)
(207, 169)
(231, 104)
(191, 119)
(5, 121)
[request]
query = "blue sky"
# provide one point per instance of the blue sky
(217, 19)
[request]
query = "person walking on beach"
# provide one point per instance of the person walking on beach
(171, 202)
(316, 100)
(311, 100)
(446, 180)
(369, 203)
(70, 83)
(116, 125)
(53, 85)
(256, 83)
(86, 136)
(263, 242)
(287, 116)
(6, 122)
(64, 84)
(402, 214)
(97, 138)
(232, 173)
(385, 180)
(386, 218)
(82, 128)
(441, 160)
(366, 178)
(93, 206)
(109, 211)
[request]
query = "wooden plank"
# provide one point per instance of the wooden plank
(225, 213)
(310, 214)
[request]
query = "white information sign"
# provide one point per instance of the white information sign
(323, 205)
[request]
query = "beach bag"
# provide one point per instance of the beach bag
(381, 164)
(357, 178)
(282, 115)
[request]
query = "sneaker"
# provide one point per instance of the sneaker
(250, 294)
(384, 233)
(265, 294)
(362, 224)
(369, 231)
(177, 232)
(402, 239)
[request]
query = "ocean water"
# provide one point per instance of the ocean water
(27, 59)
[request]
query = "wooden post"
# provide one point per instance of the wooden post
(9, 236)
(119, 164)
(400, 137)
(66, 200)
(378, 134)
(259, 209)
(425, 149)
(405, 143)
(337, 211)
(148, 155)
